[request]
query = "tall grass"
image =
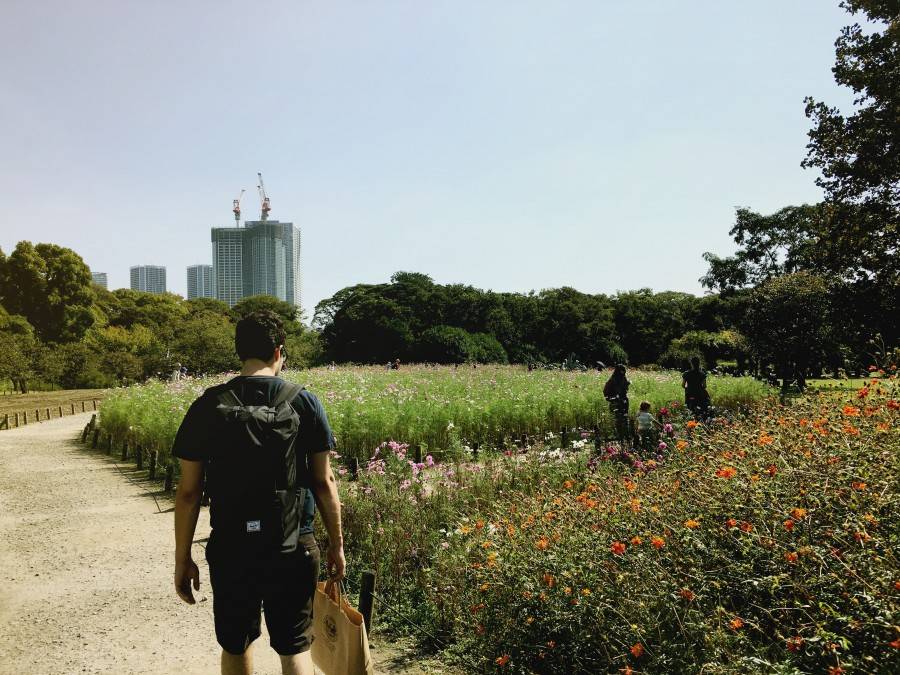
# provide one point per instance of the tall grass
(438, 408)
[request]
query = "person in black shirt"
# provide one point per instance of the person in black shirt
(616, 392)
(281, 582)
(696, 397)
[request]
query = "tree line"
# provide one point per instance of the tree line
(58, 329)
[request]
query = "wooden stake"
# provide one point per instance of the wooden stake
(367, 598)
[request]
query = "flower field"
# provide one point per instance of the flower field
(765, 544)
(440, 409)
(766, 541)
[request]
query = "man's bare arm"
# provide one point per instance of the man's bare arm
(187, 508)
(325, 491)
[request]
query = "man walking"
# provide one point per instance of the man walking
(264, 445)
(696, 397)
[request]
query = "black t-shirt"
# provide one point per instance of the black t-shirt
(696, 382)
(196, 437)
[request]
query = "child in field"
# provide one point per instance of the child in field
(646, 424)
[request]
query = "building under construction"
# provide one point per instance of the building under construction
(262, 257)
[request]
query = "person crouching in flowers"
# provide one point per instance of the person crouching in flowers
(647, 425)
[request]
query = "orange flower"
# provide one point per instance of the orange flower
(658, 542)
(798, 513)
(692, 524)
(687, 594)
(745, 526)
(549, 579)
(479, 525)
(795, 643)
(551, 644)
(526, 595)
(765, 439)
(789, 525)
(477, 608)
(731, 522)
(484, 587)
(627, 671)
(637, 541)
(791, 557)
(542, 544)
(567, 590)
(617, 548)
(692, 424)
(681, 444)
(850, 430)
(634, 504)
(736, 623)
(835, 670)
(858, 485)
(851, 411)
(487, 544)
(726, 472)
(568, 484)
(895, 644)
(502, 660)
(585, 591)
(637, 650)
(897, 585)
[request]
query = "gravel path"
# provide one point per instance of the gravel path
(86, 549)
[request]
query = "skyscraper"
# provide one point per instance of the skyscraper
(149, 278)
(99, 278)
(261, 258)
(200, 282)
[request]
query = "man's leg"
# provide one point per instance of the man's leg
(238, 664)
(297, 664)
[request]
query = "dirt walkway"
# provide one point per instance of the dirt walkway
(86, 568)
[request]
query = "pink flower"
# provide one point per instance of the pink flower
(662, 445)
(429, 461)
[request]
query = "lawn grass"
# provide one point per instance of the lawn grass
(10, 404)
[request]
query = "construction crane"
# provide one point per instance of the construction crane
(264, 199)
(236, 208)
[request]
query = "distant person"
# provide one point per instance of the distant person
(184, 371)
(646, 426)
(332, 366)
(616, 392)
(264, 445)
(176, 374)
(696, 397)
(396, 364)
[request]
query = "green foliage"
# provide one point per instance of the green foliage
(787, 323)
(710, 347)
(51, 287)
(856, 154)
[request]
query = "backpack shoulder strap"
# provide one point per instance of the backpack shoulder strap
(287, 393)
(229, 398)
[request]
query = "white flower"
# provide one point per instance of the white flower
(450, 425)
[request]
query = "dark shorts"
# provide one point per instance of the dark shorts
(282, 585)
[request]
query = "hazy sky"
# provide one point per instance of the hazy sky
(511, 145)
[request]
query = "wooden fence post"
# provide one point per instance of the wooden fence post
(48, 413)
(124, 449)
(82, 406)
(37, 415)
(95, 439)
(84, 432)
(5, 423)
(564, 438)
(17, 420)
(475, 451)
(60, 411)
(95, 404)
(367, 598)
(354, 468)
(417, 453)
(25, 414)
(139, 457)
(152, 467)
(73, 408)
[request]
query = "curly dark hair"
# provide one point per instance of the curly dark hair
(258, 334)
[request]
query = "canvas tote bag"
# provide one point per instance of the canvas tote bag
(340, 645)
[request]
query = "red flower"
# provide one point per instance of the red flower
(637, 650)
(795, 643)
(502, 660)
(617, 547)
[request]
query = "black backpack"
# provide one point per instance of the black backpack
(252, 478)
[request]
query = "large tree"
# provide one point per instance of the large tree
(51, 287)
(858, 154)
